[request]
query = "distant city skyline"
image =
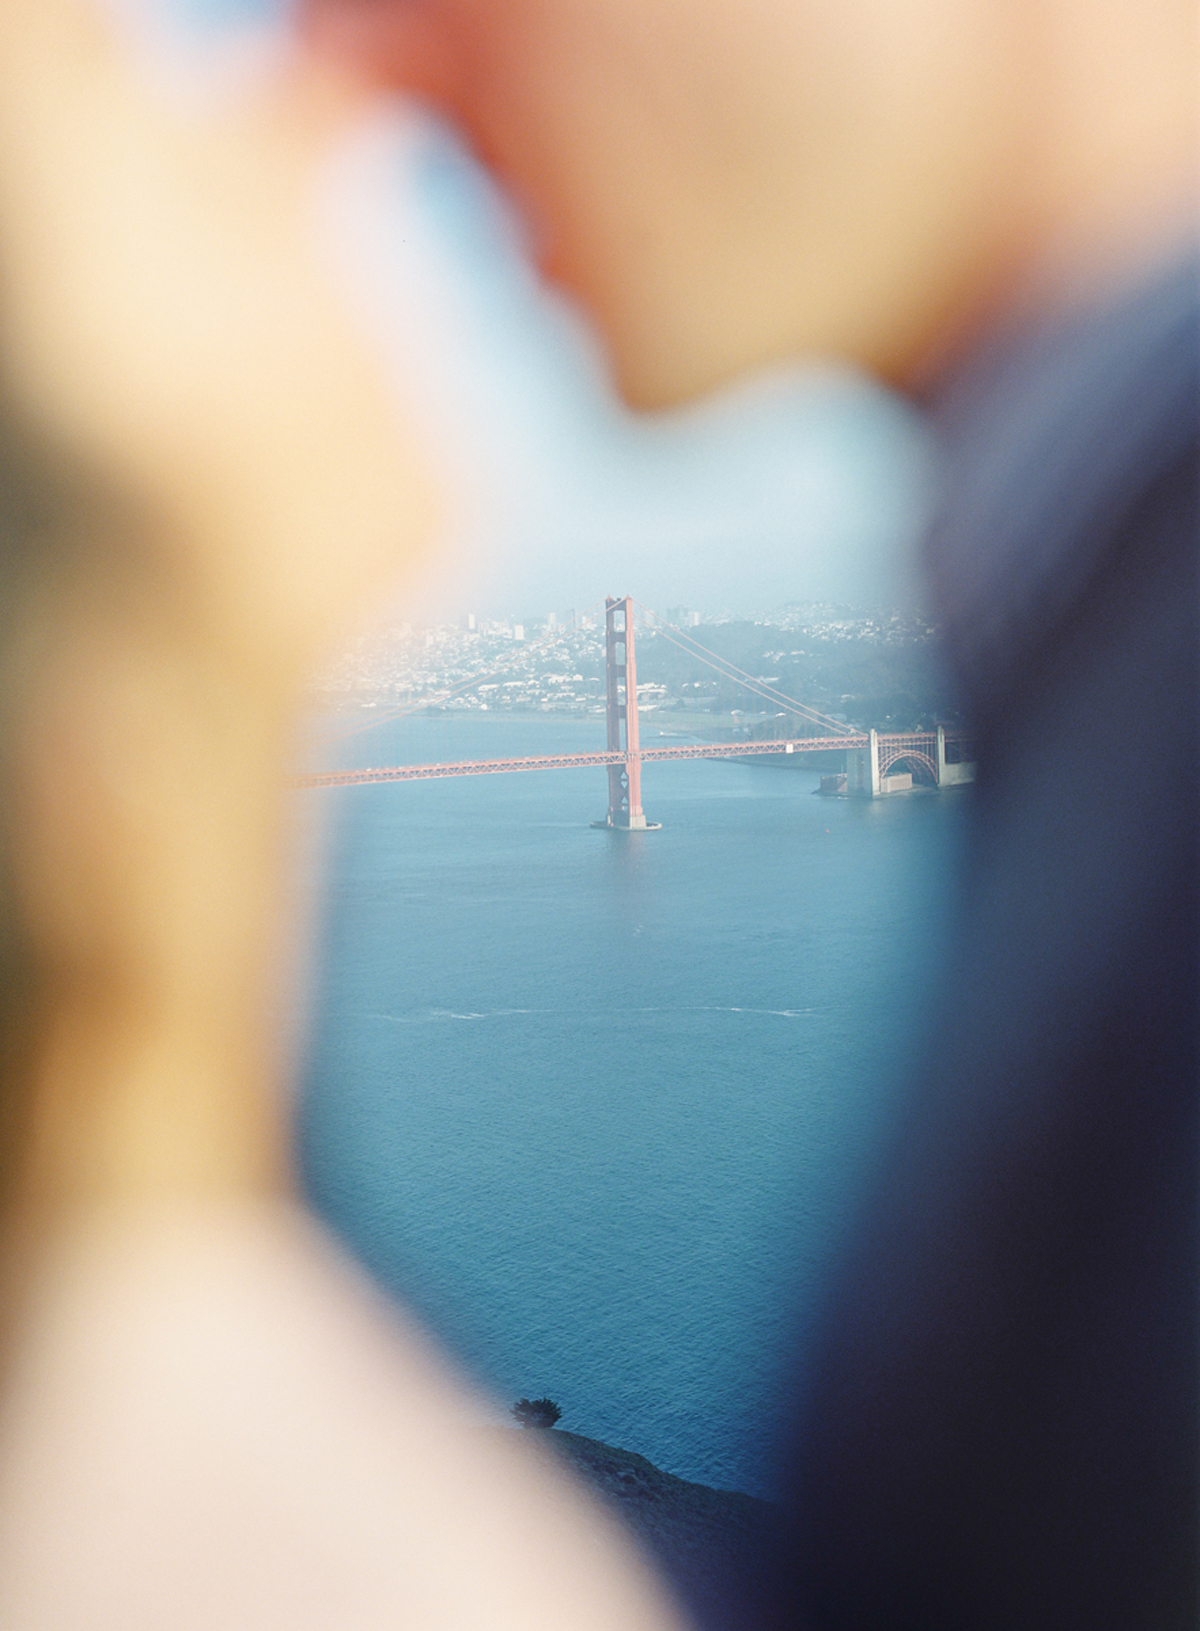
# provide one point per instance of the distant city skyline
(877, 669)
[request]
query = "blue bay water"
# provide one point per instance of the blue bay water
(598, 1104)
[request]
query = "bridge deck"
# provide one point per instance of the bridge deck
(571, 761)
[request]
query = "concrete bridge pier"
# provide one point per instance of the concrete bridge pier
(951, 775)
(862, 768)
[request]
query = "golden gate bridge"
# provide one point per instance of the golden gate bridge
(873, 759)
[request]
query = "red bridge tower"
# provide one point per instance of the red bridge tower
(625, 811)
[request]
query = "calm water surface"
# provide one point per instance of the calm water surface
(597, 1103)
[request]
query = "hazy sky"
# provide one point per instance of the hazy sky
(805, 484)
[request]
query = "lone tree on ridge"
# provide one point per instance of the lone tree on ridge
(536, 1412)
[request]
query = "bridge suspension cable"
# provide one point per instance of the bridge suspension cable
(729, 670)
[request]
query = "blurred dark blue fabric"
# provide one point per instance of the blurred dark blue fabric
(1002, 1429)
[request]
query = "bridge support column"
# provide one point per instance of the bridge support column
(951, 775)
(858, 777)
(625, 811)
(862, 768)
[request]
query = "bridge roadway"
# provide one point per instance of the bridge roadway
(570, 761)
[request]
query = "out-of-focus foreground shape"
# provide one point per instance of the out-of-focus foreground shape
(726, 184)
(205, 1421)
(213, 1424)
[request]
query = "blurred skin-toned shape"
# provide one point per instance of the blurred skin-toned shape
(992, 203)
(170, 340)
(727, 184)
(205, 1418)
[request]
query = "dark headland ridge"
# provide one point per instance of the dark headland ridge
(711, 1543)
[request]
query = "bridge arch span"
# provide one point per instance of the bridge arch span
(914, 757)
